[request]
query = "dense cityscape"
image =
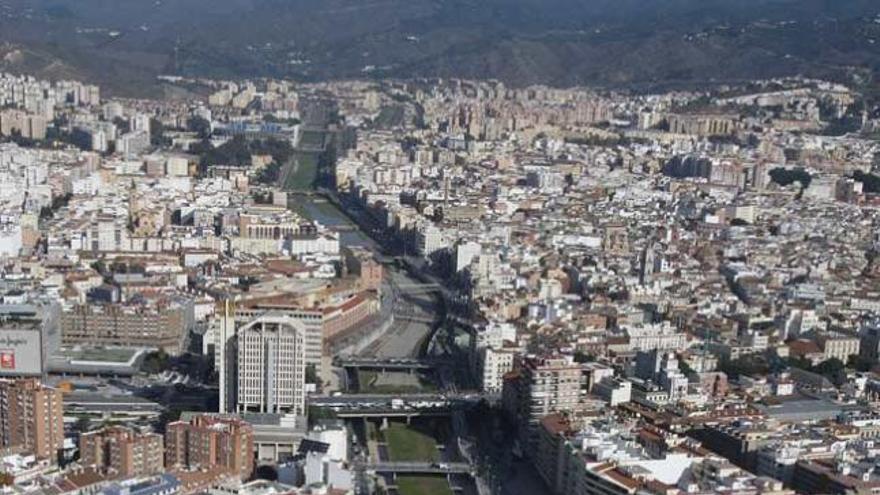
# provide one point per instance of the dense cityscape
(439, 286)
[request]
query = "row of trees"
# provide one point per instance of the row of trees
(870, 182)
(758, 365)
(238, 151)
(785, 177)
(788, 176)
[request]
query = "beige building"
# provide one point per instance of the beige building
(127, 452)
(27, 125)
(702, 124)
(31, 418)
(839, 346)
(545, 386)
(210, 442)
(126, 326)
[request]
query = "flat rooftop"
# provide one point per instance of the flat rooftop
(96, 361)
(100, 355)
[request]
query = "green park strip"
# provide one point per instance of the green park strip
(406, 444)
(423, 485)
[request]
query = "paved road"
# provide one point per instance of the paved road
(406, 335)
(418, 310)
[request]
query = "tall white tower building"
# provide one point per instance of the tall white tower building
(261, 364)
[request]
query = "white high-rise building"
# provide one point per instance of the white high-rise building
(139, 123)
(494, 364)
(429, 239)
(261, 364)
(222, 336)
(133, 143)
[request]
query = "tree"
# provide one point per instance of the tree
(20, 140)
(238, 150)
(155, 362)
(583, 357)
(232, 152)
(317, 413)
(99, 266)
(157, 133)
(169, 415)
(200, 126)
(311, 374)
(833, 369)
(860, 363)
(269, 174)
(751, 365)
(800, 362)
(82, 424)
(685, 368)
(327, 164)
(870, 182)
(201, 147)
(58, 202)
(785, 177)
(262, 197)
(122, 124)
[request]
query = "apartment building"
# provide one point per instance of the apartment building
(124, 450)
(31, 418)
(210, 442)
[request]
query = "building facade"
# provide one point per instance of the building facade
(545, 386)
(211, 442)
(127, 452)
(117, 325)
(262, 365)
(31, 418)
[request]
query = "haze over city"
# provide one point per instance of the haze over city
(436, 247)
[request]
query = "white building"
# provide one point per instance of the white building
(326, 243)
(321, 470)
(614, 391)
(10, 239)
(429, 239)
(261, 364)
(839, 346)
(177, 166)
(661, 336)
(494, 363)
(87, 186)
(465, 253)
(133, 143)
(495, 334)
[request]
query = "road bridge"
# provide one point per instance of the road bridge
(390, 412)
(420, 467)
(415, 319)
(459, 397)
(411, 288)
(388, 364)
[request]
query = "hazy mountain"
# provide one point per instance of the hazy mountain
(125, 43)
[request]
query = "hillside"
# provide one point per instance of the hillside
(124, 44)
